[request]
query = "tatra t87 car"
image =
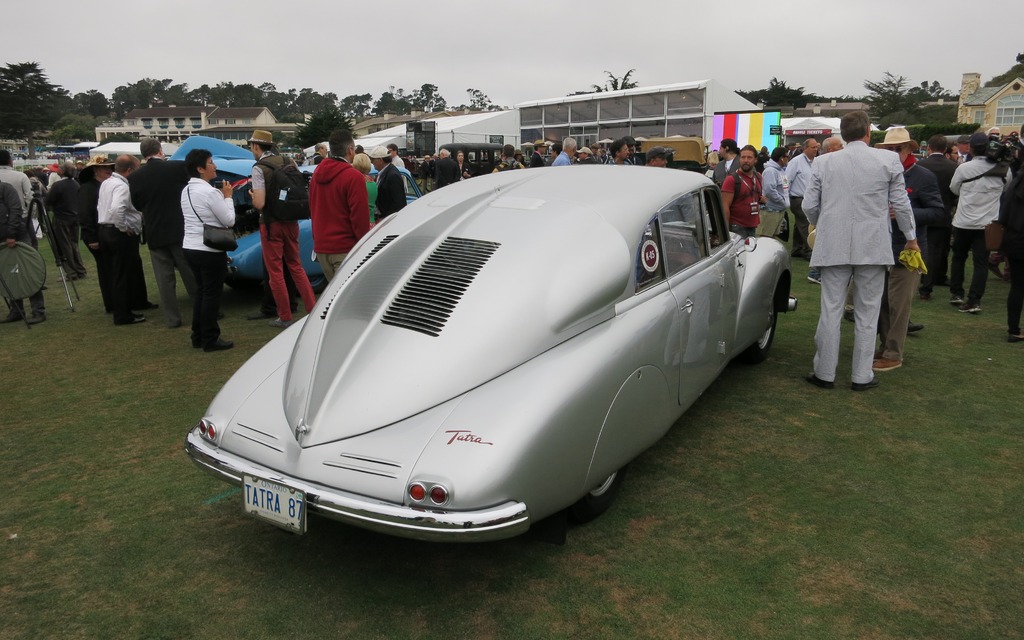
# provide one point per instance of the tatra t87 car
(496, 353)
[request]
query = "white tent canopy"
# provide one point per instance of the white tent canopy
(810, 126)
(114, 149)
(472, 127)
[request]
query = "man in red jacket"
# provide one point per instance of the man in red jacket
(338, 203)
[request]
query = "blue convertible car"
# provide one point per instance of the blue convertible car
(235, 164)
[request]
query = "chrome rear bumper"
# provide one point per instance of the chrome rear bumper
(502, 521)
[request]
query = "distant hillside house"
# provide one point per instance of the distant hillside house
(174, 124)
(987, 107)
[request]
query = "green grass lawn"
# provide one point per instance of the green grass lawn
(772, 509)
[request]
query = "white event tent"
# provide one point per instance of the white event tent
(472, 127)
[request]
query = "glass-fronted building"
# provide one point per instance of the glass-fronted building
(684, 109)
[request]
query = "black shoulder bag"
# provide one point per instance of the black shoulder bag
(219, 238)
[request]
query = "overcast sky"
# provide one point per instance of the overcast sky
(512, 51)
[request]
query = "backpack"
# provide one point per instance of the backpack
(287, 192)
(506, 166)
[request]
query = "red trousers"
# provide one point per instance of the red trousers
(280, 242)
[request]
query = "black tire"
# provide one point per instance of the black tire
(242, 284)
(319, 283)
(758, 352)
(599, 500)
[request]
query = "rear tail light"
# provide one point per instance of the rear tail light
(438, 494)
(207, 430)
(434, 493)
(417, 492)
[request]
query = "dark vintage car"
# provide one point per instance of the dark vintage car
(481, 157)
(496, 354)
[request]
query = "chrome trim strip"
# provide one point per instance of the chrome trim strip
(265, 444)
(495, 523)
(358, 469)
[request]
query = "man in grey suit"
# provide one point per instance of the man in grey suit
(850, 197)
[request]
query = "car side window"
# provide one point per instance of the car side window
(409, 190)
(650, 267)
(714, 219)
(682, 232)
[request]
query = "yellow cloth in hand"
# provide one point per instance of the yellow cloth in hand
(912, 260)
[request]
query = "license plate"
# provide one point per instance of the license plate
(276, 503)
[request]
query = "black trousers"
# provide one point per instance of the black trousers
(125, 278)
(938, 258)
(972, 240)
(209, 268)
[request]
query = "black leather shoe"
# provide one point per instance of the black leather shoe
(913, 327)
(37, 318)
(147, 306)
(864, 386)
(1012, 338)
(220, 345)
(818, 382)
(259, 315)
(135, 320)
(11, 317)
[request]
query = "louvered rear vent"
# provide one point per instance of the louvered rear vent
(427, 301)
(380, 245)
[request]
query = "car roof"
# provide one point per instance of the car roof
(625, 197)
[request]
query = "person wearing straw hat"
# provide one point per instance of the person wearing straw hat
(901, 282)
(89, 179)
(279, 238)
(848, 198)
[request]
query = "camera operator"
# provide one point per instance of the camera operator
(979, 184)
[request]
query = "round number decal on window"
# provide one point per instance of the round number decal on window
(649, 256)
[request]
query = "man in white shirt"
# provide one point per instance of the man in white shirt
(120, 225)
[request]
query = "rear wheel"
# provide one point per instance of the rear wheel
(758, 352)
(599, 500)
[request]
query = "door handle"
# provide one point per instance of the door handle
(687, 306)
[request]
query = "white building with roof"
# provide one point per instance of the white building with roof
(680, 109)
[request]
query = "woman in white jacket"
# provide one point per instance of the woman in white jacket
(202, 204)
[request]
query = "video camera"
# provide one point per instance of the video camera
(1001, 151)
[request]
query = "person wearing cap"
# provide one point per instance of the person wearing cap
(900, 282)
(89, 179)
(848, 198)
(339, 204)
(979, 183)
(658, 157)
(279, 238)
(939, 233)
(727, 163)
(390, 187)
(585, 156)
(508, 160)
(963, 149)
(537, 159)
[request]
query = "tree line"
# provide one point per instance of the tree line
(30, 103)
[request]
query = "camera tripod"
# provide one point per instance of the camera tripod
(58, 254)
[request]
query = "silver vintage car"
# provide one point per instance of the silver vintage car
(496, 354)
